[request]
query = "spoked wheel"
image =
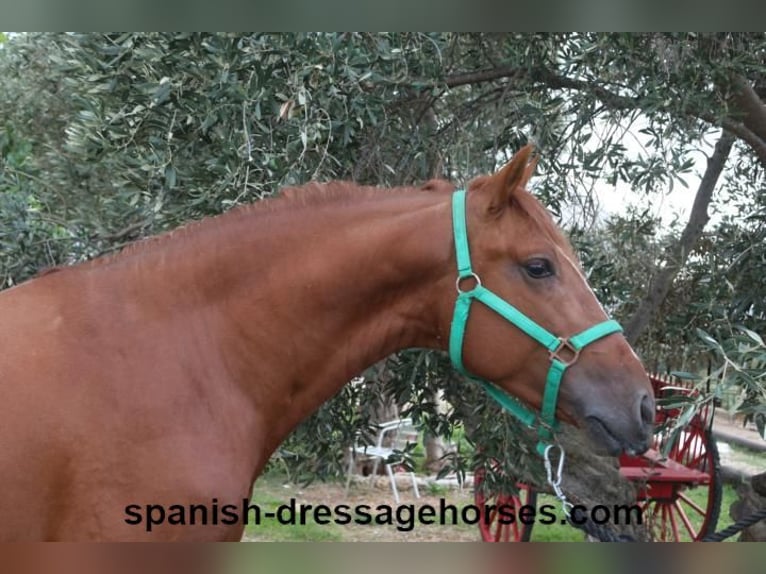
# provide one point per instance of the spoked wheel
(686, 508)
(496, 526)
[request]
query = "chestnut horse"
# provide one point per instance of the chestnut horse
(167, 374)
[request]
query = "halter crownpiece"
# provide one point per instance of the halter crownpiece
(546, 419)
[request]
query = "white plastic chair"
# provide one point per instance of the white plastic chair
(403, 433)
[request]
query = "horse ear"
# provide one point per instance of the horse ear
(514, 175)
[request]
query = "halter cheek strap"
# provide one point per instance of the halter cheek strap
(545, 421)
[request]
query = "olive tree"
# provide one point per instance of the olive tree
(108, 138)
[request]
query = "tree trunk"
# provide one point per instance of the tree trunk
(752, 498)
(435, 449)
(677, 255)
(594, 480)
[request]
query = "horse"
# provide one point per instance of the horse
(165, 375)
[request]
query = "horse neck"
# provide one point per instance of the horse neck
(304, 299)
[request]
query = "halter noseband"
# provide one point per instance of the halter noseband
(555, 345)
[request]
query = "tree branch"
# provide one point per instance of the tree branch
(124, 232)
(663, 280)
(614, 101)
(751, 105)
(482, 76)
(757, 144)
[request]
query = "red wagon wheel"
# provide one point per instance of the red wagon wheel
(680, 495)
(683, 502)
(490, 525)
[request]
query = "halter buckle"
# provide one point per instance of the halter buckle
(565, 345)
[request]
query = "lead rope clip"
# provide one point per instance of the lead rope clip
(554, 479)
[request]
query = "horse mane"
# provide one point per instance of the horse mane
(290, 198)
(314, 194)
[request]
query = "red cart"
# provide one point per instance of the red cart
(680, 494)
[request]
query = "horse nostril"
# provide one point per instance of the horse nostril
(647, 409)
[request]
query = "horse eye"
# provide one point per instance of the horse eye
(538, 268)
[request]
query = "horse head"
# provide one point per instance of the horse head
(538, 310)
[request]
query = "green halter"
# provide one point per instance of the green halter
(555, 345)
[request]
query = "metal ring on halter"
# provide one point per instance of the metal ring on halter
(564, 344)
(471, 276)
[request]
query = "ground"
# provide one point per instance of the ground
(271, 491)
(742, 449)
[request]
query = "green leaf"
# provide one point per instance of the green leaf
(753, 335)
(710, 341)
(685, 375)
(170, 177)
(162, 92)
(674, 401)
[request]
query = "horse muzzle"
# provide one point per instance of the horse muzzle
(616, 430)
